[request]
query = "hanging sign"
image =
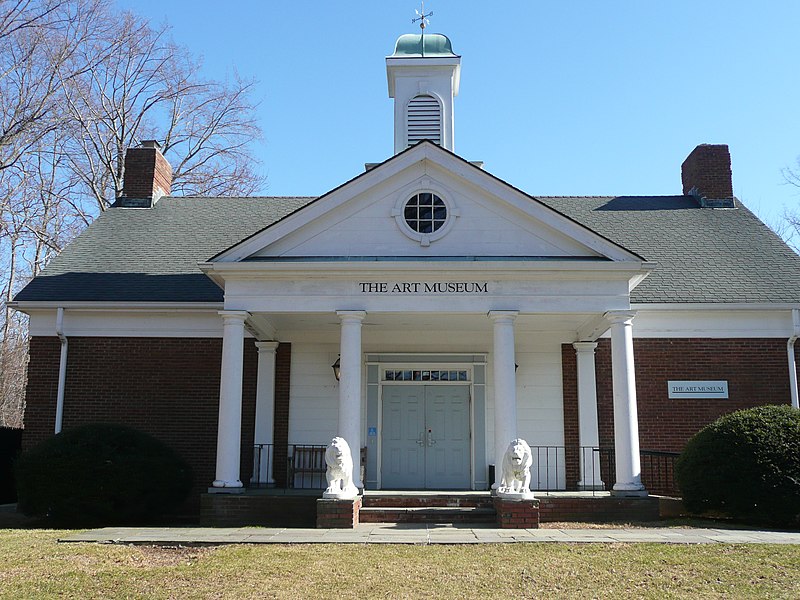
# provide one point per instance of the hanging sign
(698, 389)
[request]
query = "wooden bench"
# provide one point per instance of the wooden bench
(307, 467)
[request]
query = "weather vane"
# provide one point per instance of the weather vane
(422, 18)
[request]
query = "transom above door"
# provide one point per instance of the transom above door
(425, 436)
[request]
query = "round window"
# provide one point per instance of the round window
(425, 212)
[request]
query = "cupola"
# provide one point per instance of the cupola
(423, 75)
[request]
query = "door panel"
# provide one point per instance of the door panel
(403, 460)
(447, 457)
(425, 437)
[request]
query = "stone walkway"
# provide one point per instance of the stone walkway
(384, 533)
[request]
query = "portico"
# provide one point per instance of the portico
(503, 354)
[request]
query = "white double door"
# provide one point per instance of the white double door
(425, 437)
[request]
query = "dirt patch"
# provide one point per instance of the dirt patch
(169, 556)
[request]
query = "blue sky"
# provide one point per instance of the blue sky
(558, 98)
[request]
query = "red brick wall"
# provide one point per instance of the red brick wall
(597, 509)
(283, 361)
(146, 170)
(569, 367)
(756, 370)
(708, 168)
(168, 387)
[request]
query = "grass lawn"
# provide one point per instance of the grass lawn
(34, 565)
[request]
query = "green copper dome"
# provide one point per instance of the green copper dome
(430, 45)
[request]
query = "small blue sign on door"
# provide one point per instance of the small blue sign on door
(372, 431)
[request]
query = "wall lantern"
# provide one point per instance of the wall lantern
(337, 369)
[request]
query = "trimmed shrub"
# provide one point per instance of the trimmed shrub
(101, 474)
(745, 465)
(10, 445)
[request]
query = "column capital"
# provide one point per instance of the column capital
(268, 346)
(351, 315)
(620, 316)
(502, 315)
(234, 315)
(584, 346)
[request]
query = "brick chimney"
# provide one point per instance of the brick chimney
(148, 176)
(706, 174)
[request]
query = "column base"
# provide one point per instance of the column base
(221, 483)
(633, 492)
(226, 490)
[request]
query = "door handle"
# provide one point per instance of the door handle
(431, 441)
(421, 440)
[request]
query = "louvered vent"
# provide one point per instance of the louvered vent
(424, 120)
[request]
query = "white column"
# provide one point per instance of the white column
(265, 410)
(505, 385)
(626, 421)
(588, 436)
(350, 386)
(795, 398)
(229, 430)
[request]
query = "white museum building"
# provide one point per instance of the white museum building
(460, 313)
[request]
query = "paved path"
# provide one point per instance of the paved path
(382, 533)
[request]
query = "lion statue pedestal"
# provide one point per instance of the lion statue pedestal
(340, 471)
(515, 479)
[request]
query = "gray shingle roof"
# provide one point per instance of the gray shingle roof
(704, 255)
(130, 254)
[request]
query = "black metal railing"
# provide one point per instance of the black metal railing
(657, 471)
(554, 468)
(559, 468)
(548, 461)
(263, 465)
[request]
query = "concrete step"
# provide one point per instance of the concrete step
(435, 514)
(412, 500)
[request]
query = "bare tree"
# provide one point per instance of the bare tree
(39, 43)
(792, 174)
(80, 83)
(791, 216)
(149, 88)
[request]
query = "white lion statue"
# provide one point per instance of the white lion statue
(340, 470)
(516, 475)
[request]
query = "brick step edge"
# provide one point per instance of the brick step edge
(427, 515)
(431, 509)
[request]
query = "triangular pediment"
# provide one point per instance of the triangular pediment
(464, 212)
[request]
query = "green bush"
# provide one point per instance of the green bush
(745, 465)
(101, 474)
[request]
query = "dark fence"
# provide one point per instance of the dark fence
(554, 468)
(10, 445)
(658, 471)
